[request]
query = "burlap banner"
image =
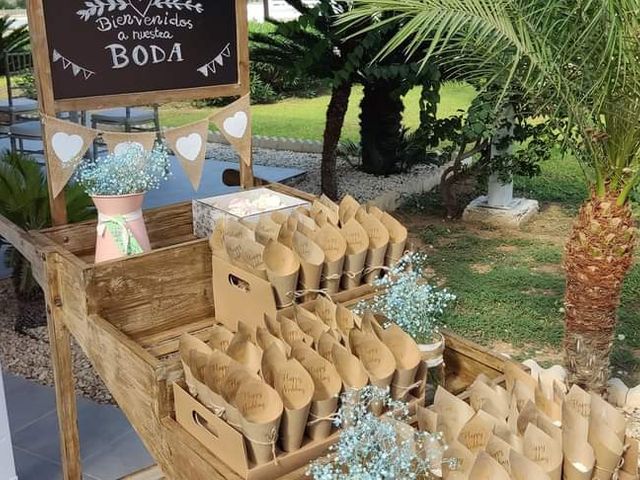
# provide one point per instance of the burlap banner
(189, 143)
(67, 143)
(234, 122)
(118, 142)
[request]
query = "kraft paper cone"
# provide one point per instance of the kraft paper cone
(484, 397)
(428, 419)
(500, 451)
(306, 225)
(454, 412)
(357, 248)
(67, 144)
(310, 323)
(234, 122)
(273, 325)
(282, 271)
(376, 357)
(265, 339)
(349, 367)
(486, 468)
(247, 255)
(311, 258)
(187, 347)
(216, 242)
(607, 447)
(325, 346)
(579, 459)
(573, 423)
(579, 400)
(237, 375)
(295, 386)
(523, 393)
(326, 310)
(116, 141)
(408, 358)
(397, 239)
(285, 236)
(378, 242)
(320, 211)
(261, 410)
(236, 229)
(331, 205)
(267, 230)
(215, 373)
(630, 457)
(347, 209)
(189, 144)
(271, 359)
(601, 410)
(375, 211)
(531, 414)
(463, 464)
(345, 321)
(327, 386)
(544, 451)
(524, 469)
(514, 372)
(334, 246)
(548, 406)
(292, 333)
(476, 432)
(280, 218)
(220, 338)
(245, 352)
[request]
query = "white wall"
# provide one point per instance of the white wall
(7, 466)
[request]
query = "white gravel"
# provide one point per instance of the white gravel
(362, 186)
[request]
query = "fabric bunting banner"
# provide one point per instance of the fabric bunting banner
(67, 144)
(234, 122)
(189, 143)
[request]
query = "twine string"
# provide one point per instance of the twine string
(272, 438)
(328, 418)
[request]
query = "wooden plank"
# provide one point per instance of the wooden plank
(478, 353)
(62, 363)
(151, 473)
(246, 170)
(26, 245)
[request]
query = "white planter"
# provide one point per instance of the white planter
(499, 195)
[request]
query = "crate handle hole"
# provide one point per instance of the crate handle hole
(239, 283)
(202, 422)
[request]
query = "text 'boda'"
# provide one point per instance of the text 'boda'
(121, 57)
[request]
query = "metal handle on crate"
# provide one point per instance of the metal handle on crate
(202, 422)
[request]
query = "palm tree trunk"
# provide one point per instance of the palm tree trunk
(598, 256)
(336, 112)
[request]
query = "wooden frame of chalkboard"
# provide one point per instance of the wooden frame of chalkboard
(53, 100)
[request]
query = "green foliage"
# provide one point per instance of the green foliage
(24, 200)
(11, 39)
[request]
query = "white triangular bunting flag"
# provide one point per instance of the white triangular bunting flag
(87, 74)
(56, 56)
(67, 143)
(212, 67)
(234, 122)
(75, 69)
(226, 52)
(189, 143)
(65, 63)
(219, 60)
(204, 70)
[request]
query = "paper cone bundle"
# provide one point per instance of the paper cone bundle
(500, 451)
(375, 211)
(215, 373)
(345, 321)
(377, 359)
(484, 397)
(311, 258)
(357, 248)
(607, 447)
(325, 346)
(486, 468)
(267, 230)
(292, 333)
(245, 352)
(236, 229)
(331, 241)
(408, 358)
(322, 213)
(188, 347)
(296, 388)
(220, 338)
(265, 339)
(347, 209)
(524, 469)
(327, 386)
(282, 271)
(261, 409)
(579, 459)
(397, 239)
(455, 413)
(463, 464)
(476, 432)
(544, 451)
(607, 414)
(349, 367)
(306, 225)
(378, 242)
(310, 323)
(247, 255)
(237, 375)
(326, 310)
(427, 419)
(216, 242)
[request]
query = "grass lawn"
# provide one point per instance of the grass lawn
(510, 284)
(305, 117)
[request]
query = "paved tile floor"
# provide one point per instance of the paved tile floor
(109, 446)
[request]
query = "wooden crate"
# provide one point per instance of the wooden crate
(128, 314)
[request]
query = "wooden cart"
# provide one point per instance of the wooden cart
(127, 316)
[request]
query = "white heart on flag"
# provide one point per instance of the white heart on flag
(66, 147)
(123, 147)
(189, 147)
(236, 126)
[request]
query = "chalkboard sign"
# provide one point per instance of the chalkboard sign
(124, 48)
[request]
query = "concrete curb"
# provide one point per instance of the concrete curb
(275, 143)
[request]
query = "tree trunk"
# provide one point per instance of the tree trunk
(598, 256)
(336, 112)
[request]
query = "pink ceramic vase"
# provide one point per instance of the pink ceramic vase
(110, 206)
